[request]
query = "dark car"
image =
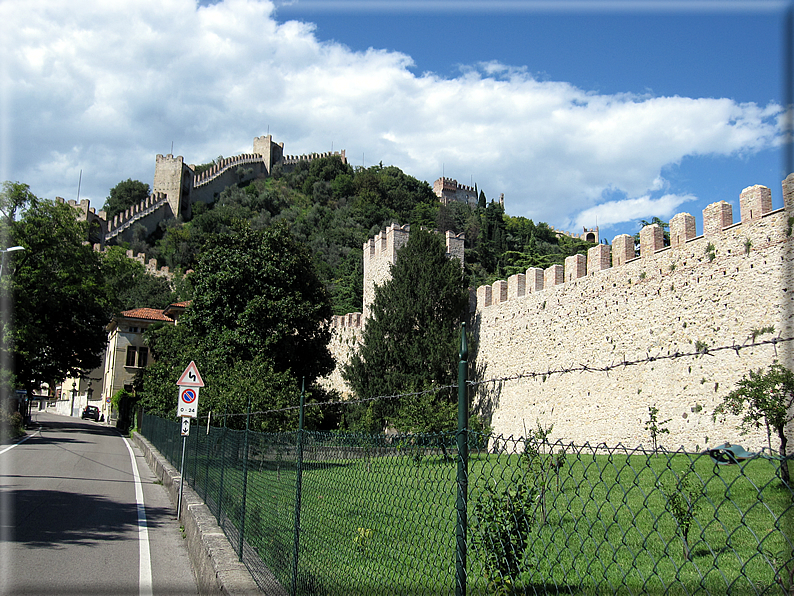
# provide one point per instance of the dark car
(91, 412)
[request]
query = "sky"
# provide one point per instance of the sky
(582, 113)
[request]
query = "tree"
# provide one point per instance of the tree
(131, 286)
(764, 398)
(61, 303)
(124, 195)
(257, 325)
(410, 343)
(257, 292)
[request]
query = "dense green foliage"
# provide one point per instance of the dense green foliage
(131, 286)
(61, 302)
(764, 398)
(257, 326)
(124, 195)
(410, 341)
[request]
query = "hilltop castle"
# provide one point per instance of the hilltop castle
(177, 187)
(591, 345)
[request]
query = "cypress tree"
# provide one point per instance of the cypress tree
(410, 342)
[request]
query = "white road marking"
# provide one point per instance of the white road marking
(10, 447)
(144, 557)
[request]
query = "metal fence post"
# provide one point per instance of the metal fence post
(298, 482)
(245, 477)
(207, 459)
(223, 466)
(195, 457)
(463, 464)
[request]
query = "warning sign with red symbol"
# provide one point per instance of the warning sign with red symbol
(191, 377)
(189, 384)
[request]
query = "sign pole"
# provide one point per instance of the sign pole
(188, 387)
(181, 476)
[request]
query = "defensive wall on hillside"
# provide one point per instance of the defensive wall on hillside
(98, 228)
(591, 345)
(177, 186)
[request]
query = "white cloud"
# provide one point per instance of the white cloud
(103, 86)
(618, 211)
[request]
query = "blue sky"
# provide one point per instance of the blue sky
(579, 112)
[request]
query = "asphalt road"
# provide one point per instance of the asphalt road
(70, 522)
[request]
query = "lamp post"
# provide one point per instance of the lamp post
(74, 395)
(3, 258)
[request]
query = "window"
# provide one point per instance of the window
(130, 356)
(143, 357)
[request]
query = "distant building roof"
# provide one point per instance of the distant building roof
(149, 314)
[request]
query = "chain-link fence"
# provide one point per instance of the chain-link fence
(334, 513)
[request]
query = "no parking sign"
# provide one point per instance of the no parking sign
(188, 402)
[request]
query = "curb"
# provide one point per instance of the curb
(214, 561)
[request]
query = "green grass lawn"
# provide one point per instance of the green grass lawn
(381, 520)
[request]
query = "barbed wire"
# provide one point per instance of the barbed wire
(344, 402)
(705, 351)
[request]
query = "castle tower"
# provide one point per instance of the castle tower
(271, 152)
(173, 178)
(449, 191)
(590, 234)
(380, 253)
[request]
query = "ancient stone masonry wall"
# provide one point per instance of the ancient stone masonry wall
(345, 339)
(96, 220)
(148, 213)
(288, 162)
(448, 190)
(380, 254)
(174, 179)
(149, 264)
(671, 308)
(176, 187)
(207, 176)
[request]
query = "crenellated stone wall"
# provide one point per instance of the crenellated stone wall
(380, 254)
(150, 264)
(671, 308)
(675, 327)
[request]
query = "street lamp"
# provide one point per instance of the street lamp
(74, 395)
(4, 251)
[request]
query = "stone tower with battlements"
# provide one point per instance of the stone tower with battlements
(449, 191)
(380, 253)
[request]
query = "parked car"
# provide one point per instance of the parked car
(91, 412)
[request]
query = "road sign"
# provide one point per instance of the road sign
(185, 426)
(191, 377)
(188, 402)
